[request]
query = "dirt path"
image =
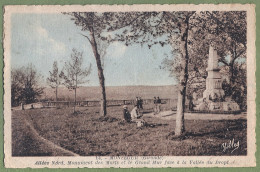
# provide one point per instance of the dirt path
(27, 141)
(171, 115)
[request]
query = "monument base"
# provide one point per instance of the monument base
(225, 107)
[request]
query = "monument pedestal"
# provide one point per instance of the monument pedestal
(214, 96)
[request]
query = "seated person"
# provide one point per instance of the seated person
(127, 115)
(135, 113)
(135, 117)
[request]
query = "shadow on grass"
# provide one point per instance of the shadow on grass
(220, 133)
(234, 126)
(145, 111)
(107, 119)
(154, 125)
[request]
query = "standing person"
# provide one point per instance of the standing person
(140, 103)
(155, 105)
(158, 101)
(126, 114)
(22, 106)
(137, 102)
(191, 105)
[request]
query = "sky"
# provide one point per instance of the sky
(41, 39)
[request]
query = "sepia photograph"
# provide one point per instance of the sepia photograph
(129, 86)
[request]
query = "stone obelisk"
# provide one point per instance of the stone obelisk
(214, 96)
(214, 91)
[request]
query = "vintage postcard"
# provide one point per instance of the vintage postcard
(124, 86)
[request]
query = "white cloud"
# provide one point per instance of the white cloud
(117, 49)
(58, 46)
(41, 31)
(108, 34)
(43, 34)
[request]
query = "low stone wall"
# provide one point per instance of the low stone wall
(109, 102)
(91, 103)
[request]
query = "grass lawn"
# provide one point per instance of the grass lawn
(88, 134)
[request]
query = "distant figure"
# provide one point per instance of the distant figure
(22, 106)
(155, 105)
(154, 100)
(140, 103)
(127, 115)
(191, 105)
(158, 102)
(137, 102)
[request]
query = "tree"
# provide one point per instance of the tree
(239, 87)
(102, 49)
(94, 24)
(54, 79)
(25, 85)
(184, 34)
(144, 27)
(226, 31)
(74, 74)
(190, 35)
(17, 77)
(229, 29)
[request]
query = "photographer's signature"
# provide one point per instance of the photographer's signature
(230, 145)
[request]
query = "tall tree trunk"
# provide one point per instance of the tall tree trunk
(56, 98)
(56, 95)
(231, 65)
(180, 128)
(75, 100)
(231, 78)
(103, 108)
(231, 70)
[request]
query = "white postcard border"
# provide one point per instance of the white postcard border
(127, 162)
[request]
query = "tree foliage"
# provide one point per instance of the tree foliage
(238, 91)
(148, 28)
(54, 79)
(25, 85)
(74, 73)
(94, 24)
(189, 34)
(226, 31)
